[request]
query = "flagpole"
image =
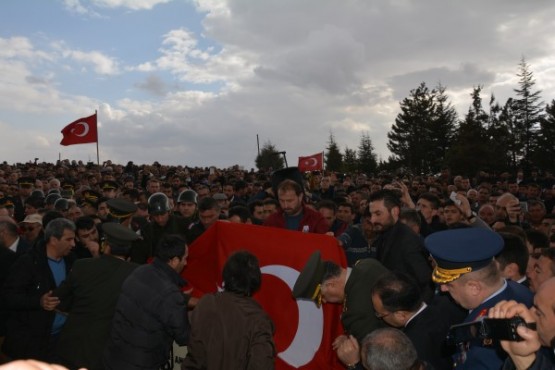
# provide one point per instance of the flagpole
(97, 155)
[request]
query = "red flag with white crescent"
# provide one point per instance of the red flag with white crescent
(313, 162)
(81, 131)
(304, 333)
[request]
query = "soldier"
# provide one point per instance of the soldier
(466, 269)
(327, 282)
(162, 223)
(89, 296)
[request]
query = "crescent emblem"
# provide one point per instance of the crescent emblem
(312, 162)
(85, 129)
(309, 333)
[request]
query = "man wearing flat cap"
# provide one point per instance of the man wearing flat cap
(89, 295)
(466, 269)
(327, 282)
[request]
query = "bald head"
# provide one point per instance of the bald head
(544, 307)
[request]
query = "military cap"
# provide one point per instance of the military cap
(6, 202)
(109, 185)
(118, 236)
(309, 282)
(25, 181)
(68, 185)
(121, 208)
(90, 197)
(460, 251)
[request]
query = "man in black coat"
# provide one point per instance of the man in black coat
(89, 296)
(397, 301)
(151, 312)
(33, 326)
(398, 248)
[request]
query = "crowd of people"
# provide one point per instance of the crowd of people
(91, 259)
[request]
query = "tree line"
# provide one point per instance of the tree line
(428, 135)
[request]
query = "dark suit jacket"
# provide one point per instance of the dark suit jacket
(428, 331)
(400, 249)
(29, 325)
(7, 258)
(22, 247)
(358, 317)
(89, 295)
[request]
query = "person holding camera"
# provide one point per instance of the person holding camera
(466, 269)
(531, 353)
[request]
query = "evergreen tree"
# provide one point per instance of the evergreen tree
(470, 148)
(442, 130)
(528, 111)
(366, 157)
(269, 158)
(544, 156)
(350, 161)
(498, 138)
(423, 131)
(334, 158)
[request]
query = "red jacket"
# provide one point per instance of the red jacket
(313, 220)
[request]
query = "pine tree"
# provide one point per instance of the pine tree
(442, 130)
(470, 148)
(423, 131)
(334, 158)
(544, 156)
(366, 157)
(350, 161)
(528, 111)
(269, 158)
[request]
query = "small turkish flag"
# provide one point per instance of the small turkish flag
(313, 162)
(81, 131)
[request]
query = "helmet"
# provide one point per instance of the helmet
(61, 205)
(158, 203)
(189, 196)
(52, 198)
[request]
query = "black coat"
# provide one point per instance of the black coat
(150, 314)
(89, 295)
(400, 249)
(29, 325)
(428, 331)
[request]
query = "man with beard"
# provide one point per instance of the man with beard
(397, 247)
(293, 214)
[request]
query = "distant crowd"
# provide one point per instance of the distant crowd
(429, 247)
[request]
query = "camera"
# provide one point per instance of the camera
(488, 329)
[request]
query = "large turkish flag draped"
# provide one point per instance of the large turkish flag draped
(313, 162)
(304, 333)
(81, 131)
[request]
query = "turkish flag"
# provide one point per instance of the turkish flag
(304, 333)
(313, 162)
(81, 131)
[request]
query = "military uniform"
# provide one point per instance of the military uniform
(461, 251)
(90, 294)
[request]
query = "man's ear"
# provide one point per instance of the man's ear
(395, 211)
(474, 286)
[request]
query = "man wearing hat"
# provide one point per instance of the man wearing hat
(25, 185)
(89, 202)
(123, 212)
(327, 282)
(109, 188)
(466, 269)
(32, 228)
(89, 295)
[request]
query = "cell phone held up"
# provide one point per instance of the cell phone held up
(488, 330)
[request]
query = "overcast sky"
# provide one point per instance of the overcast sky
(193, 82)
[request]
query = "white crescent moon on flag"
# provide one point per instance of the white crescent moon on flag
(312, 162)
(85, 129)
(311, 322)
